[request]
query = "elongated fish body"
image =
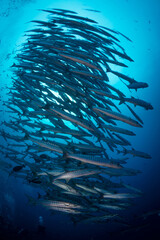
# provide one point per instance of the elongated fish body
(103, 93)
(68, 131)
(71, 118)
(136, 153)
(132, 188)
(46, 145)
(51, 203)
(93, 160)
(137, 85)
(87, 189)
(130, 80)
(118, 129)
(80, 61)
(77, 173)
(53, 173)
(107, 206)
(65, 210)
(100, 218)
(120, 195)
(137, 102)
(118, 116)
(66, 187)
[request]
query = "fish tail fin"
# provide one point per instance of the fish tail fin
(13, 65)
(28, 147)
(118, 151)
(124, 151)
(26, 136)
(122, 100)
(108, 69)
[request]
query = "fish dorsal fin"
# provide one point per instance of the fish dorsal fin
(43, 139)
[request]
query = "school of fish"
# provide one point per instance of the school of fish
(67, 132)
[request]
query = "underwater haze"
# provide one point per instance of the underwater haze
(24, 212)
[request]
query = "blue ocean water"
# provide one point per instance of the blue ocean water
(139, 20)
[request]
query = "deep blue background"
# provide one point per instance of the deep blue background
(139, 20)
